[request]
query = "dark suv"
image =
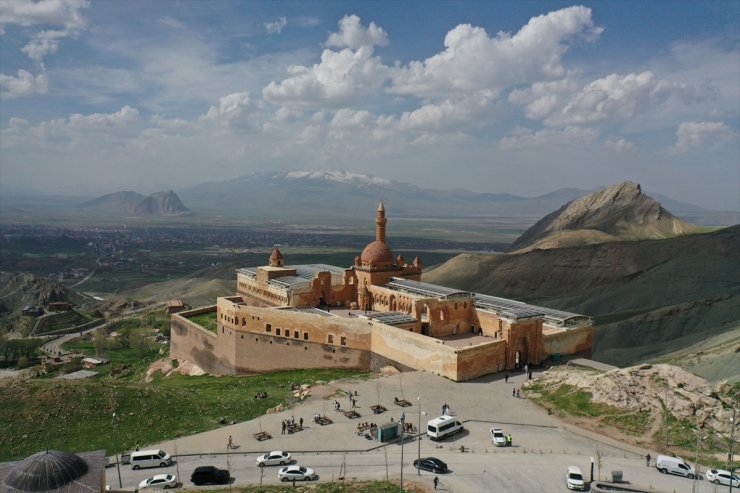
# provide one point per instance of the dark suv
(209, 475)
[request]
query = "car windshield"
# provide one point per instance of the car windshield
(302, 469)
(575, 476)
(161, 454)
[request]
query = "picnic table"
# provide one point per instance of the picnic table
(402, 403)
(292, 428)
(377, 409)
(323, 421)
(262, 435)
(352, 414)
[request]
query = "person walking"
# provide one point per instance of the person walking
(300, 422)
(283, 428)
(647, 460)
(517, 393)
(436, 482)
(506, 378)
(513, 392)
(231, 442)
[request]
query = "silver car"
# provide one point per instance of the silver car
(274, 458)
(296, 473)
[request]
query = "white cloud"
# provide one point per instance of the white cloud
(65, 13)
(336, 81)
(352, 34)
(524, 138)
(276, 27)
(701, 135)
(235, 110)
(619, 97)
(451, 112)
(472, 60)
(541, 99)
(619, 145)
(24, 85)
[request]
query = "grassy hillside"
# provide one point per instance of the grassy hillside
(649, 297)
(78, 415)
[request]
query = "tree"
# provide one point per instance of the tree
(100, 343)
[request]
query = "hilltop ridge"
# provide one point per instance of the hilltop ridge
(618, 212)
(126, 202)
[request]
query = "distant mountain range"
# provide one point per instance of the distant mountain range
(156, 204)
(331, 195)
(340, 194)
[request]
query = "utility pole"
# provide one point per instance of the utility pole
(418, 445)
(732, 441)
(403, 419)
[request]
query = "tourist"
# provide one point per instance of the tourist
(513, 392)
(231, 442)
(506, 378)
(283, 432)
(436, 482)
(517, 393)
(300, 423)
(647, 460)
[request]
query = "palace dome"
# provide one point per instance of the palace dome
(46, 470)
(377, 253)
(276, 255)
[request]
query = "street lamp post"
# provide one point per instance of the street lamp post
(403, 420)
(418, 445)
(732, 443)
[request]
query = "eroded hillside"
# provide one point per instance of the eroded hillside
(649, 297)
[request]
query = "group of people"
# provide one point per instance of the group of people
(445, 409)
(365, 426)
(515, 392)
(316, 417)
(289, 424)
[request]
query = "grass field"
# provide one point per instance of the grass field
(79, 415)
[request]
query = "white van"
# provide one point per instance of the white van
(574, 479)
(150, 458)
(674, 465)
(438, 428)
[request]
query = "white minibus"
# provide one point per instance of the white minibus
(438, 428)
(150, 458)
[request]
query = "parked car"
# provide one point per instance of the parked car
(574, 479)
(431, 464)
(210, 475)
(274, 458)
(674, 465)
(721, 476)
(150, 458)
(497, 437)
(159, 481)
(296, 473)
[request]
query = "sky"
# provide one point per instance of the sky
(520, 97)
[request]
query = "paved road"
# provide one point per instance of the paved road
(543, 446)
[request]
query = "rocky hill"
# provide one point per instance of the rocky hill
(20, 290)
(618, 212)
(124, 202)
(649, 297)
(156, 204)
(646, 397)
(161, 204)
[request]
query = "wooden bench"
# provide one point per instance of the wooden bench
(403, 403)
(352, 414)
(294, 428)
(323, 421)
(377, 409)
(262, 435)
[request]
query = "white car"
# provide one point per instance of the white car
(159, 481)
(720, 476)
(274, 458)
(296, 473)
(497, 437)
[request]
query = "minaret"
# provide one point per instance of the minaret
(380, 221)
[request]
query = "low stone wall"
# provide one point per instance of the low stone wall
(481, 359)
(568, 341)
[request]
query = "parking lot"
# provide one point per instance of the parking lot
(542, 449)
